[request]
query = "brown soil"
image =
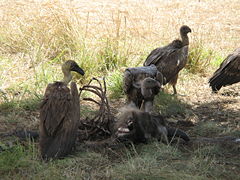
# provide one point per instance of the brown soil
(223, 107)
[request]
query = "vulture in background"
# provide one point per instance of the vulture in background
(59, 115)
(228, 73)
(172, 58)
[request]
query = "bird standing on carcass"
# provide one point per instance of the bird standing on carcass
(172, 58)
(228, 73)
(140, 85)
(59, 115)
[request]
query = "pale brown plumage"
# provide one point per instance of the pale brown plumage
(228, 73)
(59, 115)
(172, 58)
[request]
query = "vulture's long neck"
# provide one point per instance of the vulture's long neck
(185, 39)
(67, 77)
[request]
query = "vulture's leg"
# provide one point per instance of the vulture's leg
(174, 89)
(173, 82)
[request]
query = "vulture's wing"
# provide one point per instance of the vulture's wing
(158, 54)
(228, 72)
(173, 62)
(54, 107)
(127, 81)
(169, 59)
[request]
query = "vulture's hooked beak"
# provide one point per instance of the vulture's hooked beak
(77, 69)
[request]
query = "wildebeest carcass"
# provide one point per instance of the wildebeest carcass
(138, 126)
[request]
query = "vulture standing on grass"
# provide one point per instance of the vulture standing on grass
(59, 115)
(172, 58)
(228, 73)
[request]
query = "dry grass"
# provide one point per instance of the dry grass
(35, 32)
(156, 21)
(104, 37)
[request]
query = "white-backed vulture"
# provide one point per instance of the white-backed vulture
(172, 58)
(59, 115)
(228, 73)
(141, 83)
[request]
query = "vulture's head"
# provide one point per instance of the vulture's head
(71, 65)
(147, 87)
(150, 83)
(185, 29)
(125, 119)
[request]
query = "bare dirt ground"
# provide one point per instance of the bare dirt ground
(223, 107)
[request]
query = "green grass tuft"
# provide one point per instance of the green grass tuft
(31, 103)
(199, 58)
(208, 129)
(115, 84)
(18, 157)
(169, 105)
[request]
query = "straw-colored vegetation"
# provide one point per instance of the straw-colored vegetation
(105, 37)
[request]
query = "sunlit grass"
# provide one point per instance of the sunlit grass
(36, 37)
(115, 84)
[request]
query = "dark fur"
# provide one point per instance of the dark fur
(143, 126)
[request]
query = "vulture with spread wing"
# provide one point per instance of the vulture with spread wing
(172, 58)
(59, 115)
(228, 73)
